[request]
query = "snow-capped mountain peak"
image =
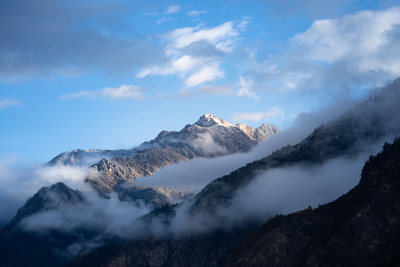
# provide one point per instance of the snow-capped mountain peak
(208, 120)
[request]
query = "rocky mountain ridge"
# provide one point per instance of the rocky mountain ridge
(343, 137)
(208, 137)
(361, 228)
(206, 124)
(347, 136)
(373, 120)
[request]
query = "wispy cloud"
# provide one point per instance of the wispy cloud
(215, 90)
(180, 65)
(195, 13)
(162, 20)
(244, 23)
(359, 50)
(7, 102)
(220, 36)
(272, 113)
(247, 88)
(196, 53)
(123, 92)
(208, 73)
(173, 9)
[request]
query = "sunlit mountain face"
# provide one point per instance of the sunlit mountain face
(152, 133)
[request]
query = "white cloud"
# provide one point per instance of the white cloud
(206, 143)
(244, 23)
(123, 92)
(181, 65)
(195, 13)
(81, 94)
(173, 9)
(18, 183)
(162, 20)
(184, 64)
(362, 35)
(195, 53)
(206, 74)
(272, 113)
(216, 90)
(247, 88)
(7, 102)
(361, 50)
(220, 36)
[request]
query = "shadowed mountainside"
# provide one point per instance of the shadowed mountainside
(348, 135)
(345, 136)
(361, 228)
(24, 248)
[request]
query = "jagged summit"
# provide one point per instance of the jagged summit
(208, 137)
(208, 120)
(236, 137)
(257, 134)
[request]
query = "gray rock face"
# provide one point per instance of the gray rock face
(208, 137)
(86, 157)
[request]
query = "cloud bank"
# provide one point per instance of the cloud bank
(18, 184)
(47, 38)
(355, 51)
(123, 92)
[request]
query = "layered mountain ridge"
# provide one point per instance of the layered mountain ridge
(303, 240)
(347, 136)
(206, 124)
(208, 137)
(361, 228)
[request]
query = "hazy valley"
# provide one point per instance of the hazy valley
(199, 133)
(118, 221)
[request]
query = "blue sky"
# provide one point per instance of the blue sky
(112, 74)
